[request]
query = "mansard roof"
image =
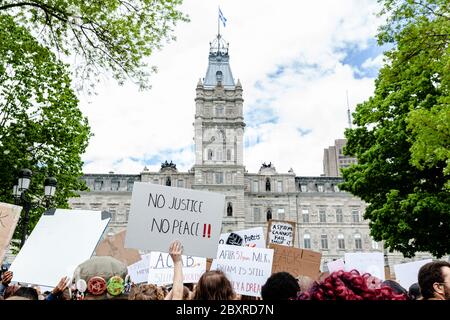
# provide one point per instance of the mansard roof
(218, 65)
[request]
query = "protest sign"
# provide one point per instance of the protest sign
(9, 216)
(139, 271)
(366, 262)
(114, 246)
(247, 268)
(406, 273)
(336, 265)
(296, 261)
(61, 240)
(160, 214)
(281, 232)
(161, 268)
(253, 237)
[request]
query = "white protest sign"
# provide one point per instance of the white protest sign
(366, 262)
(406, 273)
(9, 216)
(247, 268)
(61, 240)
(336, 265)
(161, 268)
(281, 232)
(253, 237)
(160, 214)
(138, 271)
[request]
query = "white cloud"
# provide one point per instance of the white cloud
(131, 126)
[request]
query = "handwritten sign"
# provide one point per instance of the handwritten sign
(253, 237)
(366, 262)
(160, 214)
(161, 268)
(139, 271)
(296, 261)
(336, 265)
(9, 216)
(247, 268)
(281, 232)
(113, 246)
(406, 273)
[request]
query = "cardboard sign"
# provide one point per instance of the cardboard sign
(114, 246)
(406, 273)
(281, 232)
(160, 214)
(247, 268)
(336, 265)
(366, 262)
(139, 271)
(9, 216)
(296, 261)
(253, 237)
(61, 240)
(161, 268)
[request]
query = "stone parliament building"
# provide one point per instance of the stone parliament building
(327, 219)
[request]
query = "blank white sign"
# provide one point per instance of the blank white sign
(366, 262)
(406, 273)
(57, 245)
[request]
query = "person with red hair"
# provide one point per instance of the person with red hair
(348, 285)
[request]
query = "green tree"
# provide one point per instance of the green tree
(401, 138)
(41, 127)
(104, 35)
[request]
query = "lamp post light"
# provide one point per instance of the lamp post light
(20, 192)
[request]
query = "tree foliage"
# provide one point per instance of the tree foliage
(41, 127)
(112, 35)
(402, 135)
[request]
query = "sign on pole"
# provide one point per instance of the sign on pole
(406, 273)
(366, 262)
(114, 246)
(296, 261)
(247, 268)
(61, 240)
(281, 232)
(253, 237)
(160, 214)
(9, 216)
(161, 268)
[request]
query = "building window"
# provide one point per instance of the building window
(228, 154)
(303, 188)
(324, 241)
(281, 215)
(168, 181)
(322, 216)
(127, 214)
(339, 216)
(255, 186)
(279, 186)
(269, 214)
(219, 177)
(307, 241)
(115, 185)
(358, 242)
(355, 216)
(130, 184)
(305, 214)
(256, 215)
(219, 155)
(219, 111)
(320, 188)
(180, 183)
(98, 185)
(336, 188)
(113, 214)
(229, 210)
(375, 245)
(210, 154)
(341, 241)
(267, 184)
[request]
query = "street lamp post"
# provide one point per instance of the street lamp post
(20, 192)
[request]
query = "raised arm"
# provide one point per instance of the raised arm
(175, 251)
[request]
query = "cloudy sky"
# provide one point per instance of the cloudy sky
(295, 60)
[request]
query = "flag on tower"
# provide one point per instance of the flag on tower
(222, 18)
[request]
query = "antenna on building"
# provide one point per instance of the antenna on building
(348, 113)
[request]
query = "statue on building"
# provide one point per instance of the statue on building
(168, 165)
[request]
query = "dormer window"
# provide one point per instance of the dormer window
(219, 76)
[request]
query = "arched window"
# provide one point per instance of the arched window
(269, 214)
(267, 184)
(229, 210)
(358, 241)
(210, 154)
(307, 241)
(168, 181)
(228, 154)
(341, 241)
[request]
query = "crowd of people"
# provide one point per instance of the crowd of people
(106, 278)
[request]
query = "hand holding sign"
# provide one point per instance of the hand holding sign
(6, 278)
